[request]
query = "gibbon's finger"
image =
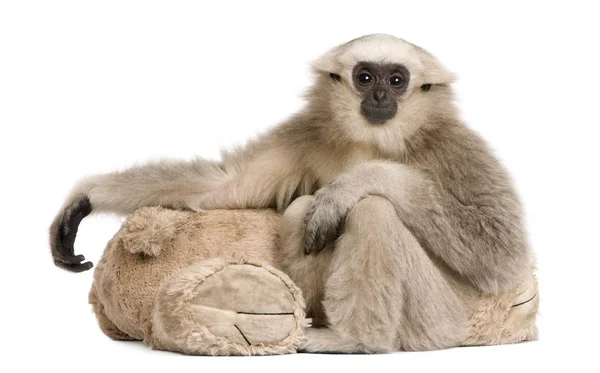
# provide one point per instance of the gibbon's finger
(63, 233)
(76, 267)
(74, 259)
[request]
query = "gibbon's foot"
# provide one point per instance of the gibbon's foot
(62, 236)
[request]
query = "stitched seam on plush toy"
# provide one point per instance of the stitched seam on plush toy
(246, 339)
(522, 303)
(265, 313)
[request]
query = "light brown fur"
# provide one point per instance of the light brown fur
(454, 216)
(147, 284)
(140, 291)
(375, 298)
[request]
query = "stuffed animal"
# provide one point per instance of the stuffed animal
(199, 283)
(213, 283)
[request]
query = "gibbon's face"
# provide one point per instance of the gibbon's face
(380, 86)
(380, 89)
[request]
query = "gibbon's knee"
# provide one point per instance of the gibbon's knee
(294, 215)
(292, 228)
(369, 213)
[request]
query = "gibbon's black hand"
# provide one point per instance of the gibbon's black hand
(63, 232)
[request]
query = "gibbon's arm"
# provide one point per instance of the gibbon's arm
(164, 183)
(199, 184)
(483, 242)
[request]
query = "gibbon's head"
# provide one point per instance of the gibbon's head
(381, 89)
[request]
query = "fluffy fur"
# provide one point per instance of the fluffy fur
(161, 279)
(446, 203)
(183, 294)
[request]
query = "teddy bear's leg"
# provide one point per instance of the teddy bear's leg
(107, 326)
(381, 290)
(229, 306)
(520, 323)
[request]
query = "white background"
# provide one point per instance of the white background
(88, 87)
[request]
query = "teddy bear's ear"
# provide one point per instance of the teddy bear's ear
(433, 71)
(148, 230)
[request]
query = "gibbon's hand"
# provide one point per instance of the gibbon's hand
(63, 232)
(326, 216)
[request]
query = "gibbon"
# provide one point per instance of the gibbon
(413, 210)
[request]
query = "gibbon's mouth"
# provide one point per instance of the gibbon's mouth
(378, 115)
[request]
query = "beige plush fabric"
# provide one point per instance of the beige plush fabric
(227, 306)
(154, 284)
(507, 318)
(208, 283)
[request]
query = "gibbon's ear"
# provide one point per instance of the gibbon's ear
(433, 71)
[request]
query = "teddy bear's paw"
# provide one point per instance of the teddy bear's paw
(230, 307)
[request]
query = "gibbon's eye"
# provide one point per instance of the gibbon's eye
(397, 81)
(365, 79)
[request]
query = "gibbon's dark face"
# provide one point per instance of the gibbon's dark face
(381, 87)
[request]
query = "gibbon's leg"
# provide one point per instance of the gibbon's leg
(479, 239)
(307, 271)
(382, 292)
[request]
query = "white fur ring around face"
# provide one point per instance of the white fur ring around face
(226, 306)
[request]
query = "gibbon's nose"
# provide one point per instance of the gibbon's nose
(380, 95)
